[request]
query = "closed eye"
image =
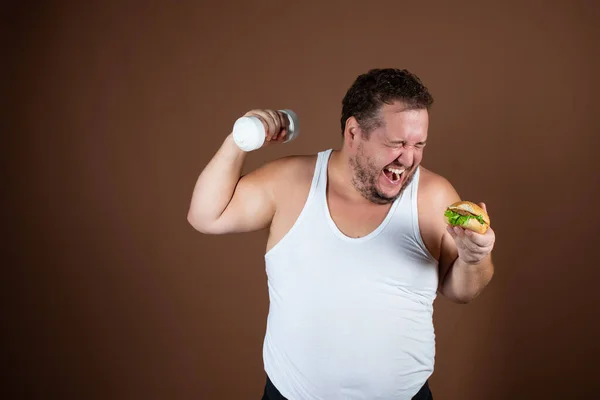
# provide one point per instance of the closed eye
(397, 145)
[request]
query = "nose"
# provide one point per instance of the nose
(407, 156)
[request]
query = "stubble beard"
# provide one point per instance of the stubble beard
(365, 179)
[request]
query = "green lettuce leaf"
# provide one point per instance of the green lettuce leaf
(457, 219)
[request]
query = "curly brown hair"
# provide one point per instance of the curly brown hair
(382, 86)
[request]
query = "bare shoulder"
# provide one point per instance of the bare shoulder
(435, 190)
(286, 175)
(291, 168)
(434, 195)
(298, 164)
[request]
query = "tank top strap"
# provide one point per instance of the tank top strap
(321, 170)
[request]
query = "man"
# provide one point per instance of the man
(357, 249)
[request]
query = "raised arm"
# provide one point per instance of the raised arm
(225, 202)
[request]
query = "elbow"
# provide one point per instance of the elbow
(206, 225)
(198, 223)
(459, 297)
(467, 298)
(464, 299)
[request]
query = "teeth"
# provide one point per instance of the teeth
(396, 170)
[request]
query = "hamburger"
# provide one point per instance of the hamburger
(467, 215)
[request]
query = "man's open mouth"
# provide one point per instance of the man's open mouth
(394, 174)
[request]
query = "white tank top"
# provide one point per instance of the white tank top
(350, 318)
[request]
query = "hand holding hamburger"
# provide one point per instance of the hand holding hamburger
(469, 225)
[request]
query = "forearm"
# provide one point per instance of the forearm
(216, 184)
(464, 282)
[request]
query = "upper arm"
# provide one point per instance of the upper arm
(437, 194)
(448, 250)
(252, 205)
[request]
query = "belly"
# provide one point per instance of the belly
(353, 340)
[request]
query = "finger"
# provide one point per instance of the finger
(268, 122)
(461, 238)
(478, 239)
(283, 123)
(455, 231)
(473, 240)
(458, 231)
(467, 243)
(482, 205)
(274, 124)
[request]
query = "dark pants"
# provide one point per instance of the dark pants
(271, 392)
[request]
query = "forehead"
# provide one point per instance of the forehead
(402, 124)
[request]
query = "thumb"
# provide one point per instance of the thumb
(451, 231)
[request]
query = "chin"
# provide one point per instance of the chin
(380, 196)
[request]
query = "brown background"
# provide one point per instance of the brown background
(116, 107)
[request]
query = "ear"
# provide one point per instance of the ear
(351, 132)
